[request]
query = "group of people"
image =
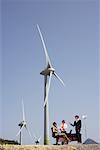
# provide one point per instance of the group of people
(62, 130)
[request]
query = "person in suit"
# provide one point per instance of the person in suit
(77, 124)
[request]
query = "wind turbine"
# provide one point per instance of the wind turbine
(47, 73)
(84, 117)
(37, 140)
(23, 124)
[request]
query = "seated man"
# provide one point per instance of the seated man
(57, 135)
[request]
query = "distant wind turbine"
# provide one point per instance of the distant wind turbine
(47, 72)
(37, 140)
(84, 117)
(23, 124)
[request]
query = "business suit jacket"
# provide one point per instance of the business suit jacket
(77, 125)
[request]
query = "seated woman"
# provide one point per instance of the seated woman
(63, 127)
(57, 135)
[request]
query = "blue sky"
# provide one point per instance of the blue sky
(71, 33)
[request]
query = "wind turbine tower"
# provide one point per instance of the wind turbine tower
(20, 135)
(47, 73)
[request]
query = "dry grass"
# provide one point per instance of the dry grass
(51, 147)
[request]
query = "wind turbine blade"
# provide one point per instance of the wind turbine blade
(45, 50)
(29, 132)
(39, 139)
(20, 130)
(23, 111)
(59, 78)
(47, 88)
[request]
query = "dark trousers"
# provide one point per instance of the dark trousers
(78, 136)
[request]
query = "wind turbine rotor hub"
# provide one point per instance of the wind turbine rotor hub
(84, 116)
(24, 123)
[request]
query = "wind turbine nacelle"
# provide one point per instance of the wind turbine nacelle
(51, 69)
(47, 71)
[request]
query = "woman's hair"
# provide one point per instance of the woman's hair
(63, 121)
(54, 123)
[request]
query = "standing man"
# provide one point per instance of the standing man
(77, 124)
